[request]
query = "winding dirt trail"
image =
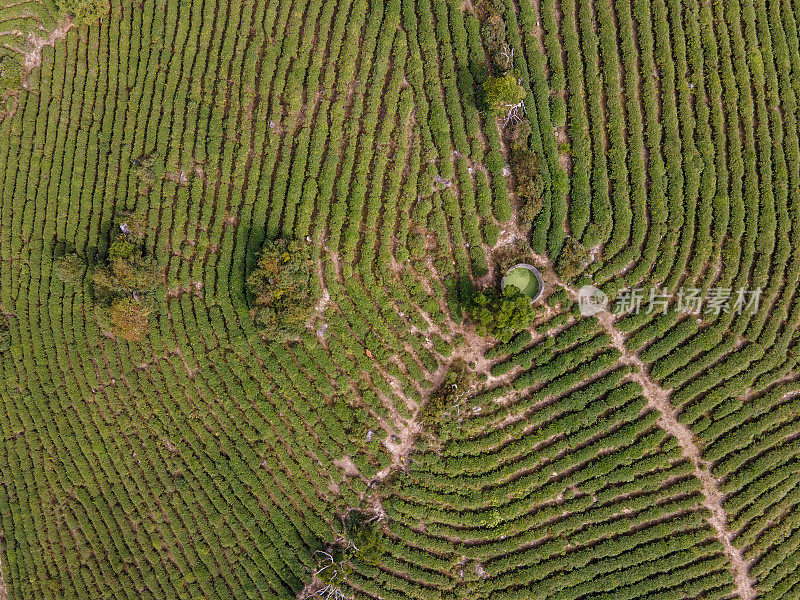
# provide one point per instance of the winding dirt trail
(659, 399)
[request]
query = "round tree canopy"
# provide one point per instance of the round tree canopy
(526, 278)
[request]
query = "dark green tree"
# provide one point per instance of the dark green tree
(280, 286)
(501, 314)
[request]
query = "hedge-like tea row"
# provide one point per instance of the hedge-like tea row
(205, 462)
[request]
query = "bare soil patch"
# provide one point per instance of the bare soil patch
(33, 57)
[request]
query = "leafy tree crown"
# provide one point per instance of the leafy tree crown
(501, 314)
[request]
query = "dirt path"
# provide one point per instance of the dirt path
(659, 399)
(33, 58)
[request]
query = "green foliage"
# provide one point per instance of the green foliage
(553, 481)
(443, 410)
(573, 259)
(366, 534)
(493, 29)
(501, 315)
(281, 289)
(135, 275)
(69, 268)
(133, 225)
(84, 11)
(124, 317)
(526, 166)
(143, 169)
(558, 111)
(5, 333)
(124, 282)
(10, 76)
(504, 92)
(363, 541)
(334, 571)
(122, 248)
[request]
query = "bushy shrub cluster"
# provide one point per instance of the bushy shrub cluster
(124, 281)
(362, 541)
(365, 532)
(126, 272)
(281, 288)
(526, 165)
(493, 31)
(573, 259)
(501, 314)
(124, 317)
(503, 92)
(69, 268)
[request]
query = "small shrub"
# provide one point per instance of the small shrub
(558, 111)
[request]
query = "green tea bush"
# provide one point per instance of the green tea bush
(5, 334)
(558, 111)
(10, 76)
